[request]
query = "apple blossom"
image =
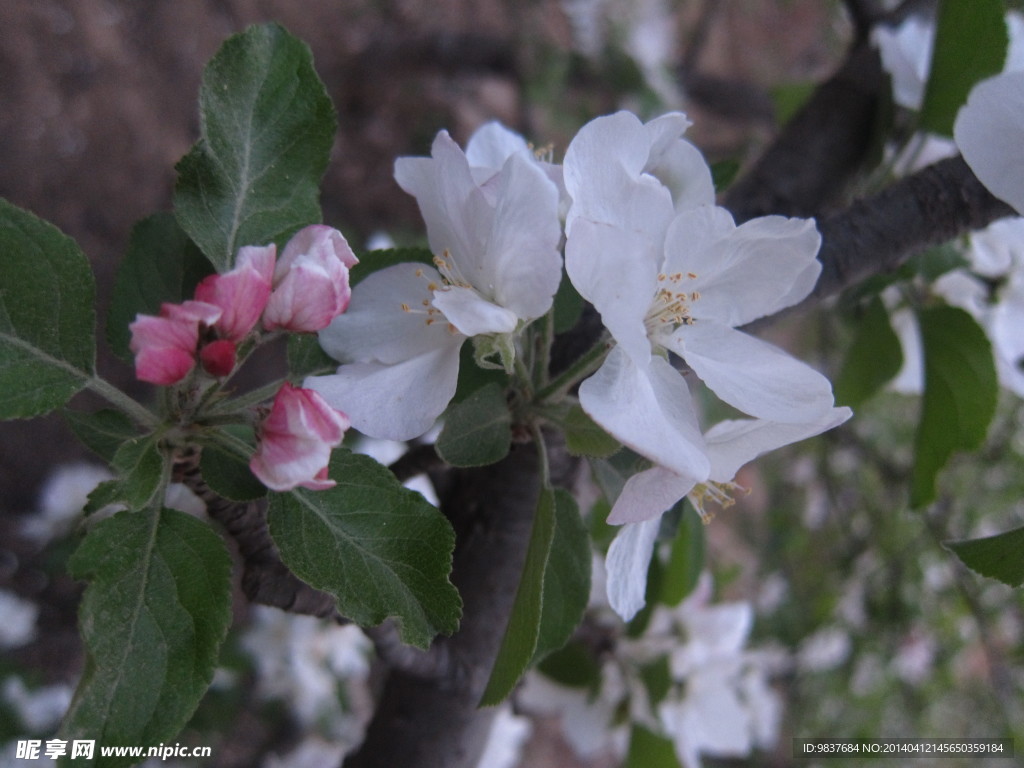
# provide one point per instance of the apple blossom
(496, 268)
(729, 444)
(668, 276)
(165, 345)
(296, 439)
(218, 357)
(310, 281)
(242, 292)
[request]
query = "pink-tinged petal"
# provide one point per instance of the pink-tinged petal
(628, 560)
(990, 135)
(649, 409)
(648, 494)
(165, 346)
(752, 375)
(218, 357)
(241, 293)
(311, 281)
(398, 401)
(733, 443)
(296, 439)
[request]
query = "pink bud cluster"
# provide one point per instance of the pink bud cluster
(306, 289)
(302, 291)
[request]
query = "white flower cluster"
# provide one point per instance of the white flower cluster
(670, 273)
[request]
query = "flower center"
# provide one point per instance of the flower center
(721, 495)
(671, 305)
(426, 306)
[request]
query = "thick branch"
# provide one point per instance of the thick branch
(808, 166)
(879, 233)
(438, 719)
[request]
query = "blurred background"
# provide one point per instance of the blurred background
(862, 624)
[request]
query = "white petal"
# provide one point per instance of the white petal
(617, 272)
(612, 142)
(910, 379)
(376, 327)
(752, 375)
(473, 315)
(629, 557)
(733, 443)
(492, 144)
(906, 55)
(394, 402)
(990, 134)
(523, 264)
(649, 409)
(746, 272)
(648, 494)
(998, 248)
(683, 169)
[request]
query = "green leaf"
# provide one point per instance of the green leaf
(568, 305)
(566, 577)
(687, 560)
(724, 172)
(103, 432)
(648, 750)
(374, 261)
(266, 128)
(520, 640)
(47, 316)
(142, 472)
(583, 436)
(153, 618)
(477, 431)
(873, 357)
(161, 265)
(229, 476)
(970, 45)
(307, 358)
(573, 665)
(960, 392)
(380, 549)
(997, 557)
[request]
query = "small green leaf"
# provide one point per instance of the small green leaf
(229, 476)
(373, 261)
(153, 618)
(478, 430)
(142, 473)
(873, 357)
(380, 549)
(520, 640)
(997, 557)
(568, 305)
(687, 559)
(307, 358)
(103, 432)
(566, 577)
(648, 750)
(970, 45)
(583, 436)
(266, 128)
(573, 665)
(724, 172)
(47, 316)
(960, 392)
(161, 265)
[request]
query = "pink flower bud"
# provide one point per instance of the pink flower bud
(218, 357)
(310, 281)
(165, 346)
(296, 439)
(242, 292)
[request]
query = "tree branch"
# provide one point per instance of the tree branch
(879, 233)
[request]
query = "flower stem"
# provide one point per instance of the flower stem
(542, 456)
(589, 362)
(123, 402)
(249, 399)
